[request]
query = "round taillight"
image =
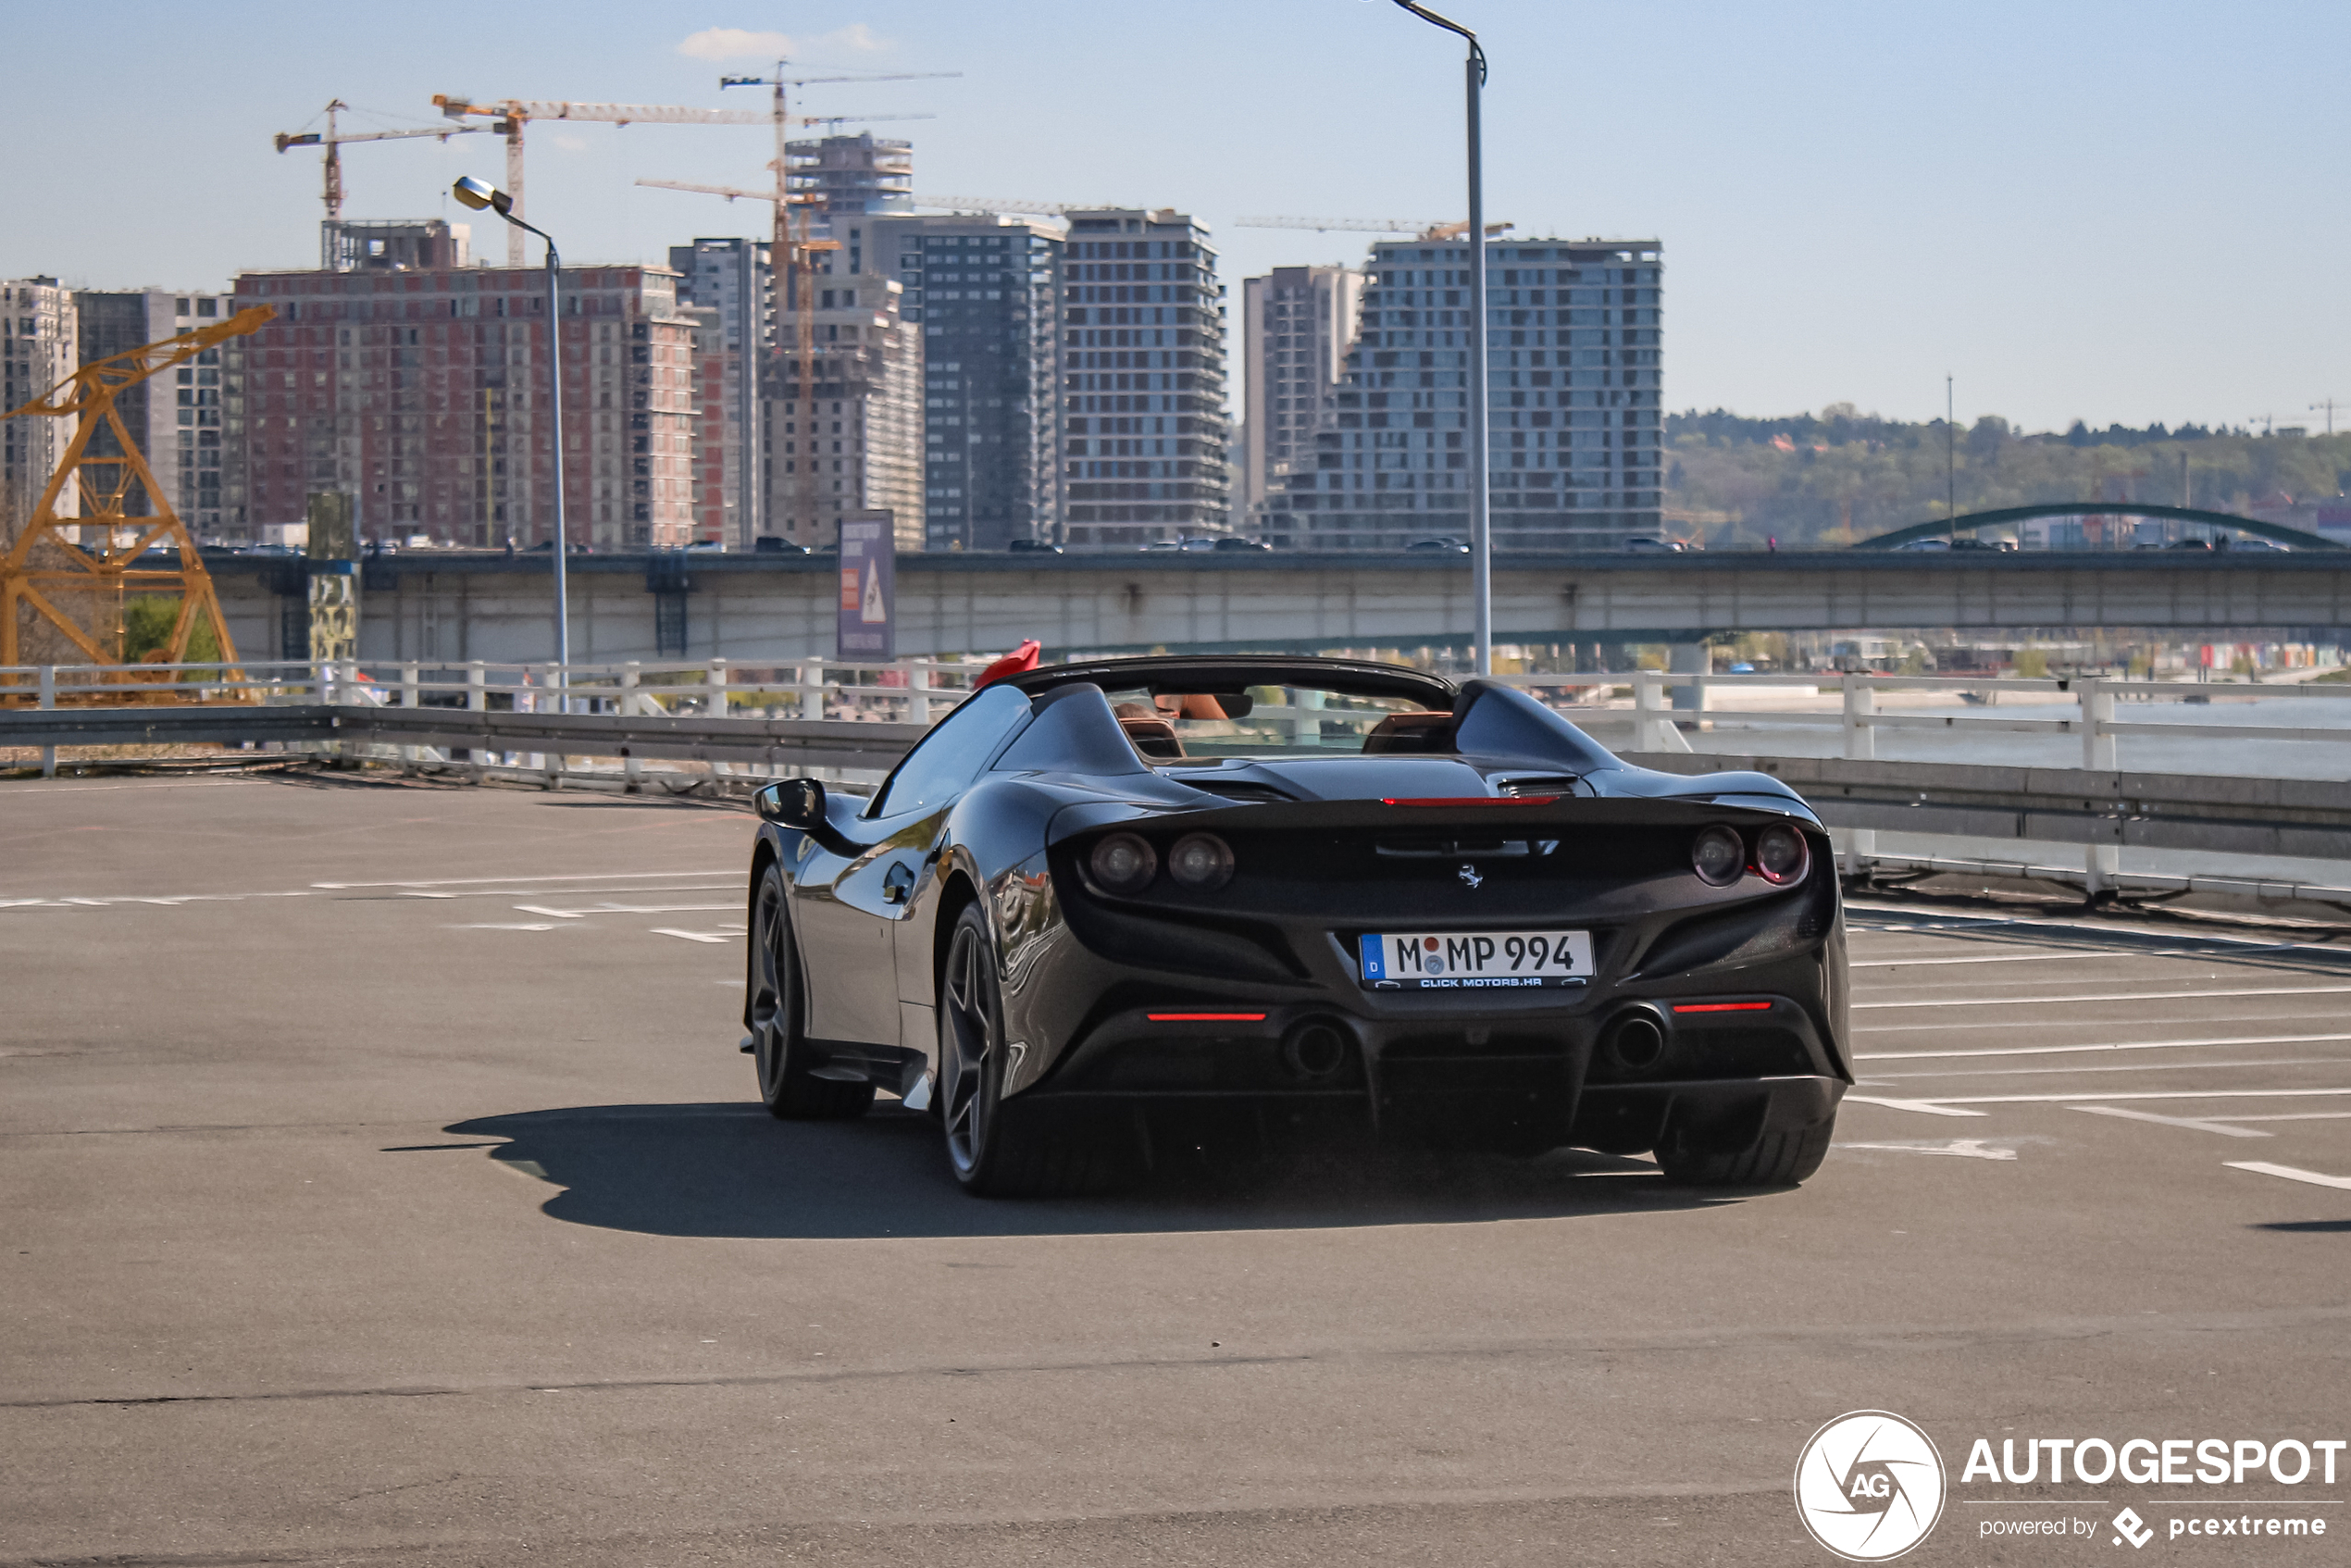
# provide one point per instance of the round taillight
(1201, 862)
(1779, 854)
(1718, 856)
(1124, 863)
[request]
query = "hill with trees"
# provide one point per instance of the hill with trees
(1841, 475)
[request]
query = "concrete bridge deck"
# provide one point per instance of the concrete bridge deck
(457, 606)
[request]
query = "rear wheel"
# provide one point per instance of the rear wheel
(778, 1018)
(1776, 1158)
(992, 1154)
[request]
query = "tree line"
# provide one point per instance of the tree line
(1842, 474)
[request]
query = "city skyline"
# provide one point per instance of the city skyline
(1857, 208)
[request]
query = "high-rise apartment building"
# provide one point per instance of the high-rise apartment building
(1142, 379)
(178, 420)
(983, 292)
(1576, 433)
(424, 394)
(729, 286)
(856, 445)
(39, 347)
(1297, 324)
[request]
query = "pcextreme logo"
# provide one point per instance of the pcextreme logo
(1868, 1486)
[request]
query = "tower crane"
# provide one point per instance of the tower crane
(48, 577)
(1428, 228)
(511, 115)
(334, 140)
(791, 251)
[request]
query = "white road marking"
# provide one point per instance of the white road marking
(1965, 1148)
(477, 881)
(2222, 1127)
(2291, 1116)
(691, 936)
(2330, 1014)
(2108, 996)
(2291, 1174)
(1877, 1078)
(2105, 933)
(1927, 1107)
(556, 913)
(728, 908)
(2133, 1094)
(2011, 958)
(2115, 1045)
(493, 925)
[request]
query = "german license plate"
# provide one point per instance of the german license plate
(1478, 961)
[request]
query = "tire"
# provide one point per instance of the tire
(778, 1020)
(992, 1154)
(1776, 1158)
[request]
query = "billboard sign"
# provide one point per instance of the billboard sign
(868, 587)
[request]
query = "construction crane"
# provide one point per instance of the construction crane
(334, 140)
(509, 116)
(999, 204)
(1428, 228)
(791, 251)
(61, 595)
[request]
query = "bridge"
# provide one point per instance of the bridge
(443, 607)
(2009, 517)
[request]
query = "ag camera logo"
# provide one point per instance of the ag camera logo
(1868, 1486)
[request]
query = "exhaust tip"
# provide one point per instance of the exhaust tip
(1636, 1040)
(1315, 1049)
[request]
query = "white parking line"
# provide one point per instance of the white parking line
(692, 936)
(2115, 1045)
(1941, 1101)
(1965, 1148)
(477, 881)
(2330, 1014)
(2108, 996)
(2290, 1173)
(2222, 1127)
(1924, 1107)
(2299, 1116)
(1876, 1078)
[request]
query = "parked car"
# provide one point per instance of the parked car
(1231, 543)
(1925, 544)
(1646, 543)
(1447, 545)
(1144, 903)
(1033, 547)
(773, 544)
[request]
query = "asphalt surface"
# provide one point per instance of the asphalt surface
(379, 1182)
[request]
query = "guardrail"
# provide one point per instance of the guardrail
(538, 720)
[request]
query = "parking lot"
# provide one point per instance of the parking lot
(383, 1184)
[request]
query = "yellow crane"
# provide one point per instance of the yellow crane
(60, 596)
(334, 141)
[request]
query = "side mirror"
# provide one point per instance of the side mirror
(794, 802)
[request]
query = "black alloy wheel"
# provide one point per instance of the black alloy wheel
(993, 1155)
(778, 1020)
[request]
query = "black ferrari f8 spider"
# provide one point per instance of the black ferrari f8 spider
(1106, 907)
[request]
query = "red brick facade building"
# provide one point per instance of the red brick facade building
(423, 393)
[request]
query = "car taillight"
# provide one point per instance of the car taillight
(1201, 862)
(1779, 854)
(1718, 856)
(1124, 863)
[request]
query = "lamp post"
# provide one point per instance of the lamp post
(1481, 510)
(481, 196)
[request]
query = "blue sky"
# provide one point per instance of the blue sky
(2111, 212)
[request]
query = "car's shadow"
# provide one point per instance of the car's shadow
(732, 1170)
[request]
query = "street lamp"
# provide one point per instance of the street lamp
(482, 196)
(1481, 510)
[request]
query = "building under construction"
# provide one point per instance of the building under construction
(857, 445)
(423, 393)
